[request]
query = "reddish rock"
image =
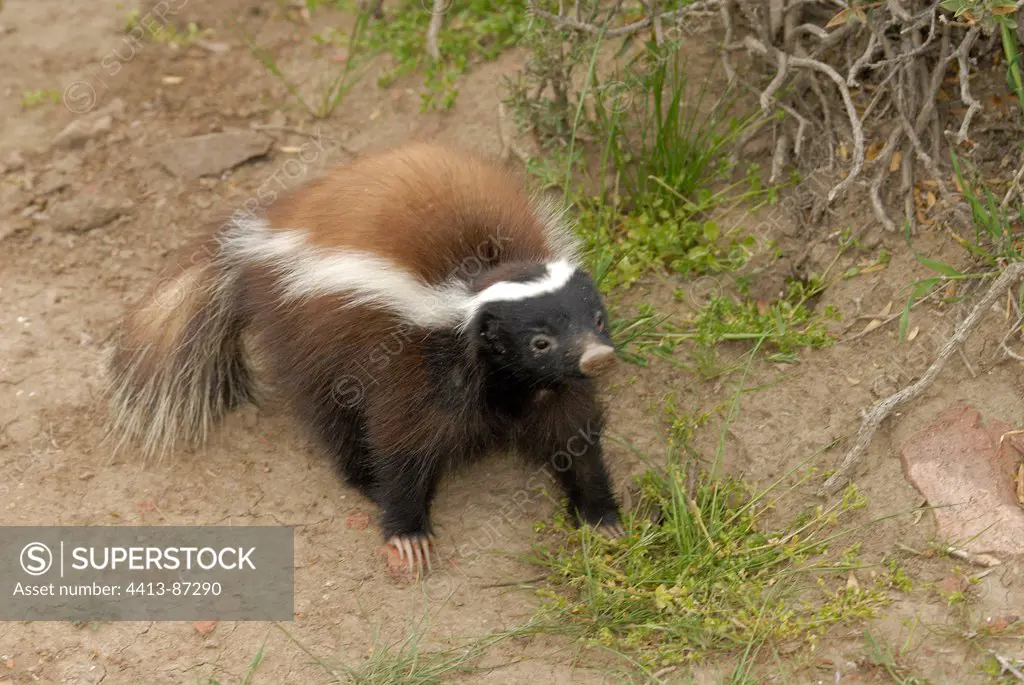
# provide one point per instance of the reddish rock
(958, 465)
(204, 628)
(397, 568)
(357, 520)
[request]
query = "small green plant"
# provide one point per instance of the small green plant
(656, 237)
(682, 425)
(338, 84)
(251, 671)
(666, 150)
(34, 98)
(998, 241)
(166, 33)
(668, 147)
(699, 570)
(472, 31)
(698, 573)
(404, 662)
(898, 577)
(882, 656)
(786, 324)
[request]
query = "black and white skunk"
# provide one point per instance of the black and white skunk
(415, 308)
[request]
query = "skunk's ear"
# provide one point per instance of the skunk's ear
(490, 333)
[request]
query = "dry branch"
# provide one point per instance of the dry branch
(973, 106)
(434, 30)
(726, 15)
(875, 191)
(896, 54)
(883, 408)
(1013, 189)
(1008, 666)
(628, 29)
(754, 45)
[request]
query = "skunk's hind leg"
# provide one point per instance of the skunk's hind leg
(342, 431)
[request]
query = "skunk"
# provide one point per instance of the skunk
(416, 309)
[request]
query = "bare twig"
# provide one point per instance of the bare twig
(295, 130)
(983, 560)
(883, 408)
(752, 130)
(639, 25)
(862, 61)
(919, 50)
(1015, 328)
(655, 14)
(898, 11)
(880, 91)
(1008, 666)
(757, 46)
(1010, 353)
(779, 158)
(508, 143)
(813, 30)
(776, 83)
(726, 15)
(875, 191)
(434, 30)
(1013, 189)
(965, 87)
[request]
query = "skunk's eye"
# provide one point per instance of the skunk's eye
(600, 322)
(541, 343)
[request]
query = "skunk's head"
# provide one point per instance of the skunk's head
(541, 324)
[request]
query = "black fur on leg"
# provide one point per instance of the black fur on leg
(342, 431)
(567, 440)
(340, 426)
(404, 490)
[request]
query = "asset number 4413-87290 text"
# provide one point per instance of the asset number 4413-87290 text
(180, 589)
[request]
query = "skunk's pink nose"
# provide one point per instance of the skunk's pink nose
(597, 359)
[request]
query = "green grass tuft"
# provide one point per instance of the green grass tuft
(473, 31)
(699, 574)
(34, 98)
(404, 660)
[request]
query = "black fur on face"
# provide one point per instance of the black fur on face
(540, 342)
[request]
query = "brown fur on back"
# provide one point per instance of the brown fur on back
(431, 209)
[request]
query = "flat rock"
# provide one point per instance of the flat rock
(85, 213)
(957, 463)
(89, 126)
(79, 131)
(210, 154)
(214, 47)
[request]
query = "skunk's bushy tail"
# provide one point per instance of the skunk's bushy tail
(177, 365)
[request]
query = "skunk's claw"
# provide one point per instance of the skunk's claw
(413, 549)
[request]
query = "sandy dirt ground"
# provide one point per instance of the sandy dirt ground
(84, 226)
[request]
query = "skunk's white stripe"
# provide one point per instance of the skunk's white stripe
(556, 278)
(306, 271)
